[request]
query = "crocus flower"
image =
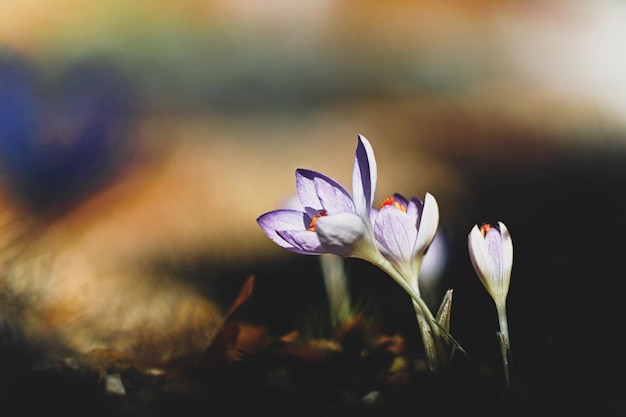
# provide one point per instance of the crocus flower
(491, 252)
(332, 220)
(404, 229)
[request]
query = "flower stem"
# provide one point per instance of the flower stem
(431, 333)
(505, 344)
(336, 285)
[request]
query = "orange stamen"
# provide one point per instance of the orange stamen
(485, 228)
(313, 224)
(391, 201)
(386, 202)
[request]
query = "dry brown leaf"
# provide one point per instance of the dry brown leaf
(244, 295)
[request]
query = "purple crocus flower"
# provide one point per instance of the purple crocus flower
(404, 229)
(393, 238)
(332, 220)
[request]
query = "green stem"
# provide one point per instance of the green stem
(431, 333)
(336, 285)
(505, 344)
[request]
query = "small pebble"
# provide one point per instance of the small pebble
(372, 399)
(113, 384)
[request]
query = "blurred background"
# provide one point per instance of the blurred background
(148, 136)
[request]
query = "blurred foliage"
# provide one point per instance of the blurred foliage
(59, 140)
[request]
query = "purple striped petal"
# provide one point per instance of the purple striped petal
(395, 233)
(364, 177)
(308, 184)
(282, 220)
(302, 241)
(334, 200)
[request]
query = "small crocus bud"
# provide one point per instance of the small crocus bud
(491, 252)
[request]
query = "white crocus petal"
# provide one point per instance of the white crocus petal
(428, 224)
(481, 260)
(507, 258)
(434, 261)
(340, 233)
